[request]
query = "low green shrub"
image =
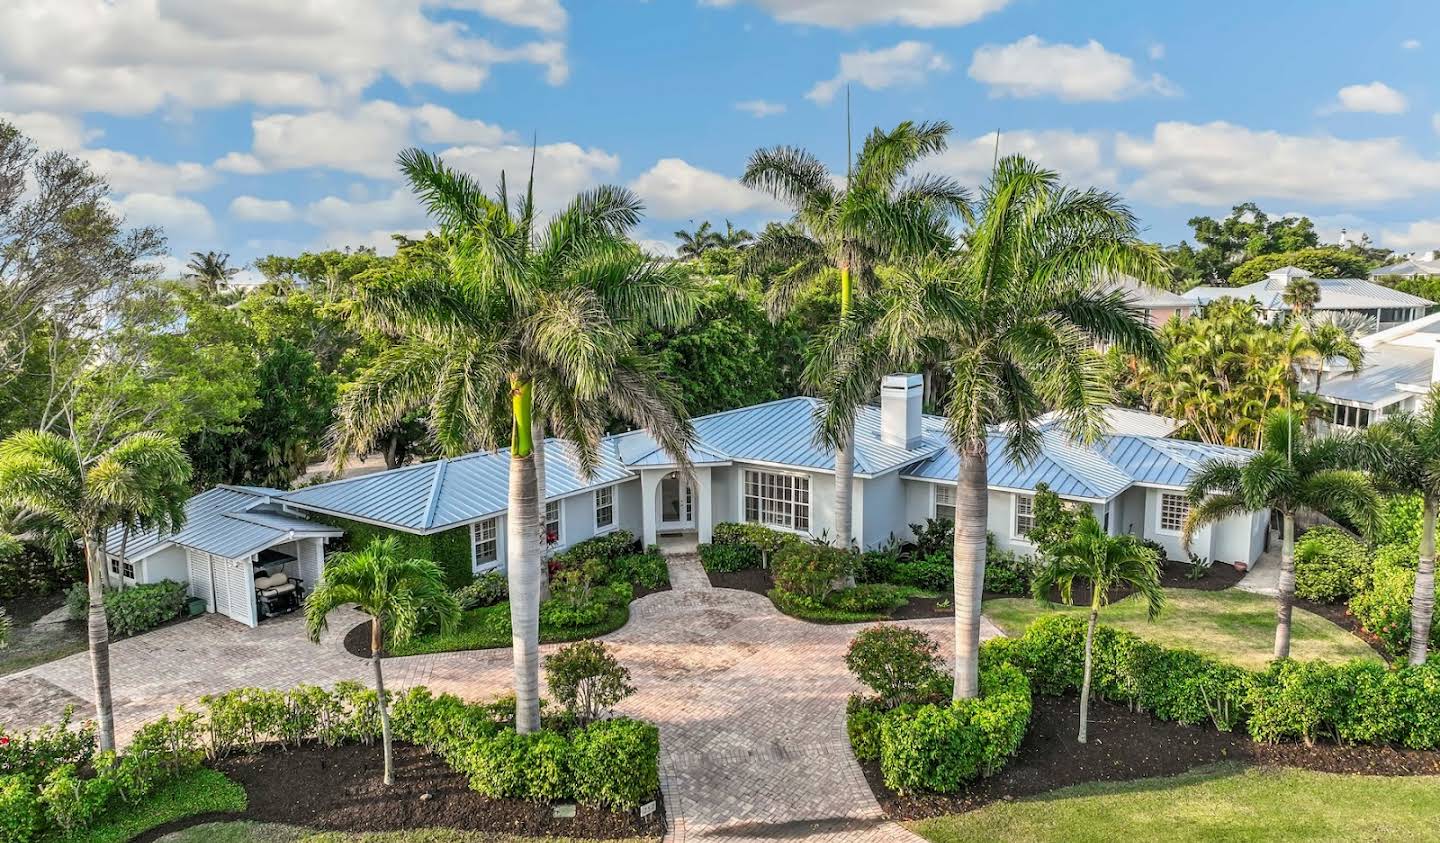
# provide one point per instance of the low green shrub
(616, 763)
(605, 548)
(1400, 517)
(1382, 598)
(1007, 572)
(72, 802)
(21, 813)
(587, 680)
(646, 570)
(576, 602)
(35, 753)
(137, 609)
(938, 748)
(868, 598)
(811, 570)
(488, 589)
(935, 537)
(1328, 561)
(898, 663)
(1304, 700)
(728, 558)
(876, 566)
(932, 573)
(764, 539)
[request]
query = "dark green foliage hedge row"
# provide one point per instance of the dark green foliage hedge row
(1328, 562)
(736, 547)
(135, 610)
(1355, 702)
(450, 550)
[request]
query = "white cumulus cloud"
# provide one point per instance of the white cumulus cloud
(255, 209)
(906, 63)
(846, 14)
(1080, 158)
(180, 217)
(1372, 97)
(1418, 236)
(675, 188)
(1088, 72)
(545, 15)
(51, 131)
(760, 108)
(129, 173)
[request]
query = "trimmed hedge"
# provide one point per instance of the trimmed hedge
(1382, 599)
(736, 547)
(137, 609)
(1328, 561)
(449, 550)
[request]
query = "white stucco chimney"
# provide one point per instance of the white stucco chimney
(900, 409)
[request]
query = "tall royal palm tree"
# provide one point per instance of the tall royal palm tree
(1104, 561)
(843, 230)
(1402, 454)
(504, 326)
(1293, 472)
(396, 593)
(1014, 318)
(211, 271)
(48, 475)
(695, 243)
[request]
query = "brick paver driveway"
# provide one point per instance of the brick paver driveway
(750, 703)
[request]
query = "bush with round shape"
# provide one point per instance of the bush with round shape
(811, 570)
(1382, 600)
(867, 598)
(896, 662)
(1328, 561)
(932, 573)
(728, 558)
(21, 814)
(616, 763)
(488, 589)
(587, 680)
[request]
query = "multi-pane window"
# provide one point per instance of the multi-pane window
(1356, 417)
(1394, 314)
(778, 500)
(604, 507)
(117, 568)
(1024, 515)
(1174, 509)
(485, 535)
(552, 522)
(945, 503)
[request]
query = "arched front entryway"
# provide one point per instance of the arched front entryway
(676, 504)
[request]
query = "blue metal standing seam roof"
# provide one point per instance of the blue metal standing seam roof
(199, 510)
(238, 534)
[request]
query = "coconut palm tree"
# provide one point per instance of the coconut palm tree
(504, 327)
(1301, 294)
(1293, 472)
(1402, 454)
(840, 234)
(695, 243)
(1105, 562)
(211, 271)
(1312, 344)
(1014, 318)
(398, 594)
(735, 238)
(48, 476)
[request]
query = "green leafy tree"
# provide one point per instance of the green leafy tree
(143, 475)
(1293, 472)
(1015, 319)
(1105, 562)
(1322, 261)
(1313, 343)
(398, 595)
(735, 238)
(1247, 233)
(503, 326)
(840, 235)
(1402, 454)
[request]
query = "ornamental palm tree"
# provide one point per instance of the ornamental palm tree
(735, 238)
(1402, 454)
(1301, 294)
(696, 243)
(211, 271)
(398, 595)
(1293, 472)
(879, 215)
(1105, 562)
(49, 477)
(503, 327)
(1313, 343)
(1014, 318)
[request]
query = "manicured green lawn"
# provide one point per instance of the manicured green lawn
(201, 791)
(1234, 625)
(1222, 804)
(247, 832)
(478, 630)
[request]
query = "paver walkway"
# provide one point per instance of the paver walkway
(750, 703)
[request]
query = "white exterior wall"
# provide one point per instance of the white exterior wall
(884, 503)
(919, 507)
(628, 513)
(1001, 523)
(167, 564)
(1200, 544)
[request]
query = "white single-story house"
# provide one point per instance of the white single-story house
(758, 464)
(232, 536)
(1401, 364)
(1380, 306)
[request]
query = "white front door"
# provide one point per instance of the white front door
(677, 503)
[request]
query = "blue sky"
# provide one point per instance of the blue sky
(258, 126)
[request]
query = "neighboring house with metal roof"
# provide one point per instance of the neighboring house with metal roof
(1159, 306)
(1419, 267)
(1400, 365)
(231, 535)
(1382, 307)
(763, 464)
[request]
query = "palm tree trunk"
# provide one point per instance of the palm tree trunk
(376, 644)
(972, 509)
(537, 436)
(1285, 590)
(523, 552)
(99, 633)
(1422, 605)
(1089, 660)
(845, 493)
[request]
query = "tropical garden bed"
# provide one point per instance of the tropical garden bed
(592, 586)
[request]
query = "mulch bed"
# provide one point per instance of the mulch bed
(340, 789)
(1125, 745)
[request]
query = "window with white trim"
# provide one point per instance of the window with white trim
(1024, 515)
(604, 507)
(1174, 509)
(778, 500)
(945, 503)
(1347, 416)
(552, 522)
(127, 570)
(485, 536)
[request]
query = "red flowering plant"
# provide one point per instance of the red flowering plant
(36, 753)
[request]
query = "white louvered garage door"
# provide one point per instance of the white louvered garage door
(312, 562)
(197, 565)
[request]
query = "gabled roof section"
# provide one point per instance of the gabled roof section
(238, 534)
(200, 510)
(1379, 379)
(446, 493)
(1143, 295)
